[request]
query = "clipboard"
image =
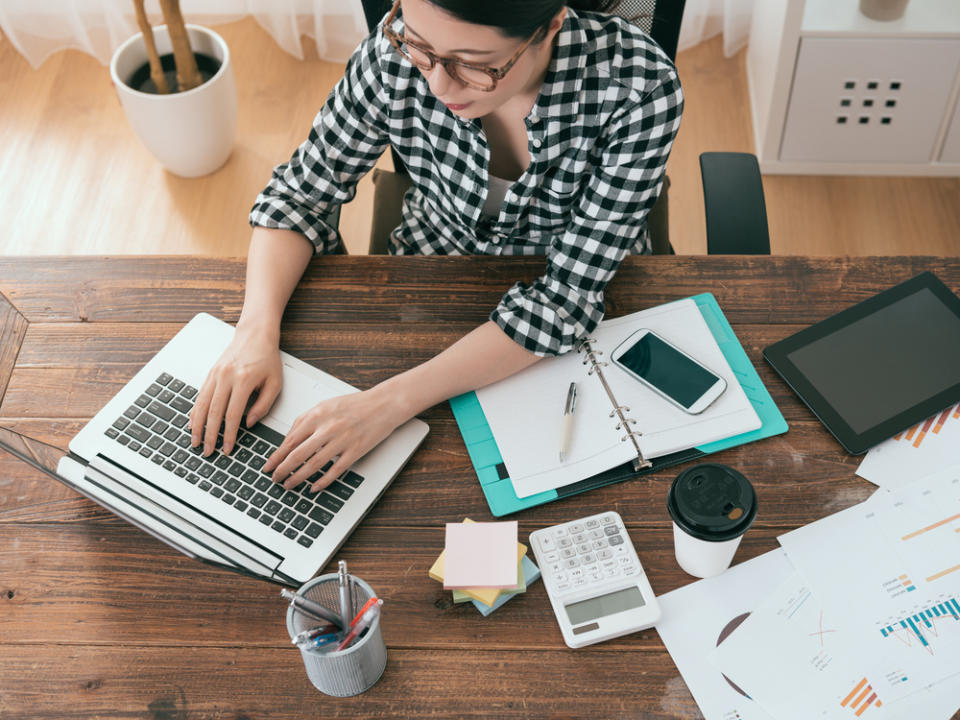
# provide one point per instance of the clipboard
(492, 472)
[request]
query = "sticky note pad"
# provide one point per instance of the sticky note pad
(488, 596)
(530, 573)
(480, 555)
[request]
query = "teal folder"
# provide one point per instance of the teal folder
(494, 476)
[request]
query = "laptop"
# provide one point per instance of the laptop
(134, 458)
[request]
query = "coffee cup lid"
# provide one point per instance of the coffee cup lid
(712, 502)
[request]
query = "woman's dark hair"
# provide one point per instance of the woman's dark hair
(517, 18)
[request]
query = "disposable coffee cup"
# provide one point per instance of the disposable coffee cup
(712, 506)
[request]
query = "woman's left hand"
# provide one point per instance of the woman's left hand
(345, 428)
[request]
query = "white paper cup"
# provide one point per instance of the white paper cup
(712, 506)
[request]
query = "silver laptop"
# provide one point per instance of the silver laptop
(134, 458)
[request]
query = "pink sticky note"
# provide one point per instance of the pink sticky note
(480, 555)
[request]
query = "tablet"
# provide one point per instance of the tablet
(880, 366)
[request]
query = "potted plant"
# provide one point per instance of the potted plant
(176, 85)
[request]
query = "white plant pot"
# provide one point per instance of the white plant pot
(191, 133)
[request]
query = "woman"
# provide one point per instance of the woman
(527, 128)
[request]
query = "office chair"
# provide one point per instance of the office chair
(736, 216)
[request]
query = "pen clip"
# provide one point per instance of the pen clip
(571, 399)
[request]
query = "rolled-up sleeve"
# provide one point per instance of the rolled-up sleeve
(348, 136)
(550, 315)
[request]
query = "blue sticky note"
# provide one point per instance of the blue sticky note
(530, 573)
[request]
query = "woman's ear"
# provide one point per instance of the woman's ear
(555, 24)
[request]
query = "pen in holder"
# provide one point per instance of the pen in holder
(357, 667)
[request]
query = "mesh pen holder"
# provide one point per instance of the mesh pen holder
(350, 671)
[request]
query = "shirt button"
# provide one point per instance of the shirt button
(534, 118)
(537, 143)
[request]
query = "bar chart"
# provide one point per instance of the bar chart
(922, 629)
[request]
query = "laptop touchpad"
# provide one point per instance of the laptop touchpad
(300, 393)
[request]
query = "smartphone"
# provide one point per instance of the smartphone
(669, 371)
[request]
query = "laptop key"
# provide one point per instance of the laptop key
(164, 378)
(265, 433)
(146, 420)
(123, 439)
(352, 479)
(121, 422)
(246, 440)
(300, 522)
(289, 498)
(183, 441)
(262, 483)
(165, 396)
(304, 506)
(321, 516)
(157, 459)
(179, 421)
(192, 479)
(160, 428)
(236, 469)
(278, 526)
(142, 401)
(253, 512)
(153, 390)
(329, 502)
(170, 465)
(181, 455)
(161, 411)
(111, 433)
(243, 455)
(314, 530)
(276, 490)
(188, 392)
(245, 492)
(259, 499)
(273, 507)
(229, 499)
(340, 490)
(305, 541)
(134, 445)
(219, 477)
(261, 447)
(257, 462)
(171, 434)
(146, 452)
(179, 403)
(287, 515)
(233, 485)
(250, 477)
(216, 492)
(132, 412)
(291, 533)
(193, 463)
(154, 442)
(205, 470)
(168, 449)
(223, 462)
(176, 385)
(241, 505)
(180, 472)
(265, 519)
(204, 486)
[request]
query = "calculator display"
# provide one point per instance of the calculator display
(603, 605)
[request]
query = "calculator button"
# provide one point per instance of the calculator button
(579, 538)
(564, 586)
(588, 559)
(568, 553)
(631, 570)
(565, 542)
(592, 523)
(551, 556)
(605, 554)
(611, 572)
(560, 577)
(595, 534)
(624, 560)
(611, 530)
(584, 548)
(559, 532)
(547, 543)
(556, 567)
(607, 519)
(576, 573)
(599, 544)
(571, 563)
(575, 528)
(579, 582)
(596, 576)
(616, 540)
(608, 564)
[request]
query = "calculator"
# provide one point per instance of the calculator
(594, 579)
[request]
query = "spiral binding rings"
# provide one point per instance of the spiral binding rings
(597, 366)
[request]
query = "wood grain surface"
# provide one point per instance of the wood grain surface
(99, 620)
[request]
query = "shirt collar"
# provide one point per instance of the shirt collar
(559, 98)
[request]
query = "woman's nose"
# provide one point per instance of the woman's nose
(439, 80)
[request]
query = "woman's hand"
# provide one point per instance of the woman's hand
(342, 429)
(251, 363)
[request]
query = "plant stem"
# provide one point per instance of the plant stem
(188, 76)
(156, 69)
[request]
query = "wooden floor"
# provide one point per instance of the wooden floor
(75, 180)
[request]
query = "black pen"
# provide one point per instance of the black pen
(313, 609)
(567, 420)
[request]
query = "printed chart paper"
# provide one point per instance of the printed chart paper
(700, 616)
(927, 447)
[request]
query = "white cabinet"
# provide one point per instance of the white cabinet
(835, 92)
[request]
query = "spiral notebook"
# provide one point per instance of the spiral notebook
(621, 428)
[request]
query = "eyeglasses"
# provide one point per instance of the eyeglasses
(478, 77)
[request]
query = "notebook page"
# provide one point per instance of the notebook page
(525, 411)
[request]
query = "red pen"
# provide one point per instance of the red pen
(364, 619)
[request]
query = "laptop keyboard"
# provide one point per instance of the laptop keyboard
(155, 427)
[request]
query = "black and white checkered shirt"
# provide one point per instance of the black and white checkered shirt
(598, 135)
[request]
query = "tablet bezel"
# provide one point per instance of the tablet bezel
(857, 443)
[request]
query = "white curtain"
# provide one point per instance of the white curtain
(702, 19)
(39, 28)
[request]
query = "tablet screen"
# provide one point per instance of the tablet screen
(880, 365)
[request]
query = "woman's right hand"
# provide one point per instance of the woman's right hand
(251, 363)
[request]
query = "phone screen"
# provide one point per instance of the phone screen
(668, 370)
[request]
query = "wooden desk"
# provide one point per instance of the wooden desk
(98, 619)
